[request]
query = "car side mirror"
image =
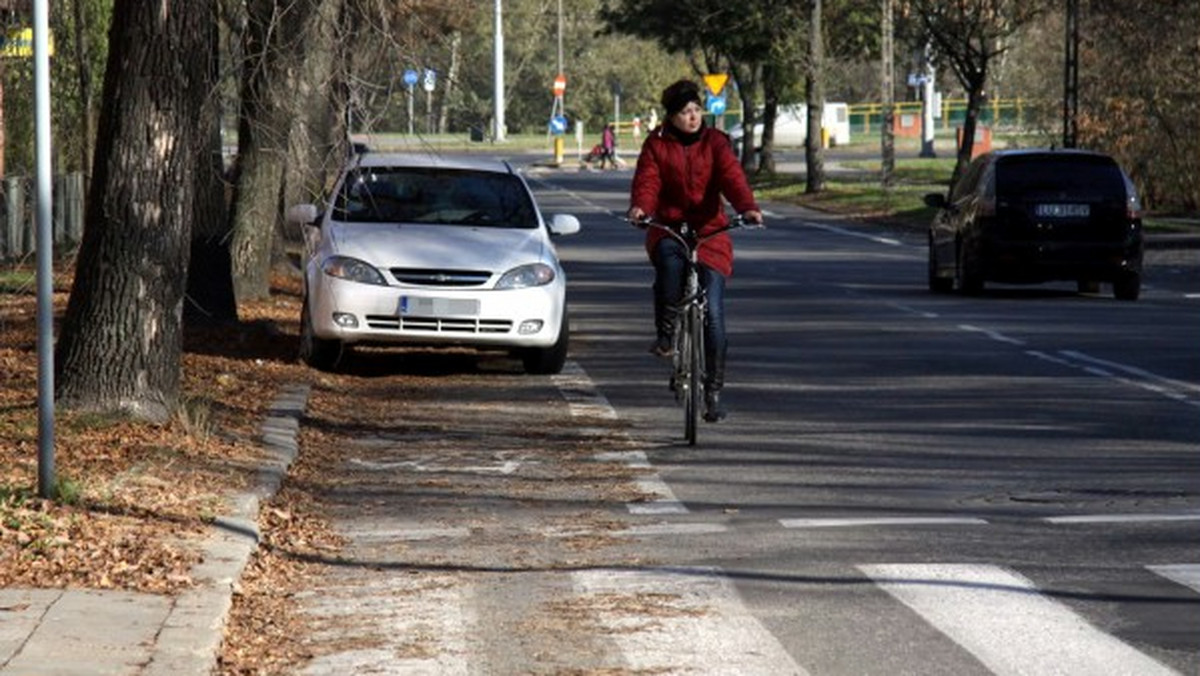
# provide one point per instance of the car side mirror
(936, 200)
(564, 224)
(302, 214)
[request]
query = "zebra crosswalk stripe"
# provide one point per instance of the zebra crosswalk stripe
(699, 623)
(1186, 574)
(1002, 619)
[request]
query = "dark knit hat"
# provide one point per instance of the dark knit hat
(678, 95)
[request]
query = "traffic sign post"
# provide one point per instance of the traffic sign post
(410, 81)
(558, 121)
(429, 82)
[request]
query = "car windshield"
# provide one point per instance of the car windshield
(437, 196)
(1082, 177)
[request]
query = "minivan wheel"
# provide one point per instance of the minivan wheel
(1128, 286)
(968, 278)
(937, 284)
(319, 353)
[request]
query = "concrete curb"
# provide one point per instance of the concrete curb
(193, 631)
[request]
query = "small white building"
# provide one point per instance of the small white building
(791, 125)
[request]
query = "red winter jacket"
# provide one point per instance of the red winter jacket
(676, 183)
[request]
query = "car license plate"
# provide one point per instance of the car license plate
(438, 307)
(1062, 210)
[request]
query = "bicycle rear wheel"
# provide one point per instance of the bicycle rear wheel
(692, 359)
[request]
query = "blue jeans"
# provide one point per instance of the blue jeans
(670, 261)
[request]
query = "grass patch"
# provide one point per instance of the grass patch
(854, 190)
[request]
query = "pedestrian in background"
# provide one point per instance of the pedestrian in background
(608, 144)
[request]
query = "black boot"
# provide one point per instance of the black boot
(664, 326)
(713, 412)
(714, 380)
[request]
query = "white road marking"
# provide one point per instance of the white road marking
(1186, 574)
(1002, 619)
(994, 335)
(583, 399)
(1175, 390)
(419, 625)
(681, 622)
(1123, 518)
(882, 521)
(675, 529)
(504, 467)
(924, 314)
(852, 233)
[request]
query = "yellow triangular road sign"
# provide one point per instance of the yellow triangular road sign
(716, 82)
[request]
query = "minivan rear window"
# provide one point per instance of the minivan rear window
(1071, 177)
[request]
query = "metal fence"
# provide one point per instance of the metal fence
(18, 228)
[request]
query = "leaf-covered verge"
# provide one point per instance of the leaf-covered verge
(133, 497)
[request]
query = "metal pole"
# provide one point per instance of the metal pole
(1071, 77)
(498, 82)
(45, 253)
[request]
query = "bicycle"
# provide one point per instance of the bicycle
(687, 354)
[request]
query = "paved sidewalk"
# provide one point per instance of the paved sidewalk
(69, 632)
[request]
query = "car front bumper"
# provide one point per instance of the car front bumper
(361, 313)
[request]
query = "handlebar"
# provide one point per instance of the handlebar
(686, 234)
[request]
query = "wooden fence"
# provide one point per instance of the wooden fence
(18, 225)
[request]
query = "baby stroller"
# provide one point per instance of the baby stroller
(595, 155)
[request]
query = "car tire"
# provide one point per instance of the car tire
(548, 361)
(937, 284)
(967, 276)
(319, 353)
(1128, 286)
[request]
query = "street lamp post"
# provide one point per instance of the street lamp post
(498, 81)
(1071, 76)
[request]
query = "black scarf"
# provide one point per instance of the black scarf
(684, 137)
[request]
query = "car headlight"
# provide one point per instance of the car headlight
(352, 269)
(526, 276)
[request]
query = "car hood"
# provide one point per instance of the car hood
(387, 245)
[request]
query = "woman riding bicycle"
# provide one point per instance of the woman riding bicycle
(683, 171)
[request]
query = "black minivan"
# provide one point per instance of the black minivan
(1038, 215)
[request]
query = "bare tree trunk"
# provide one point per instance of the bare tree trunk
(766, 160)
(887, 132)
(210, 297)
(970, 122)
(814, 85)
(747, 77)
(449, 90)
(121, 344)
(286, 87)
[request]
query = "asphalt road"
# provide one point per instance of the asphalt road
(1032, 427)
(907, 484)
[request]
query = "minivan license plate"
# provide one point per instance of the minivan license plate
(411, 306)
(1062, 210)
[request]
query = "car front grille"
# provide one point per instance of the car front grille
(439, 324)
(440, 277)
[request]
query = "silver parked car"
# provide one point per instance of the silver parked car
(422, 249)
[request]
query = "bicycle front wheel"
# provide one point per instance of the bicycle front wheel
(693, 360)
